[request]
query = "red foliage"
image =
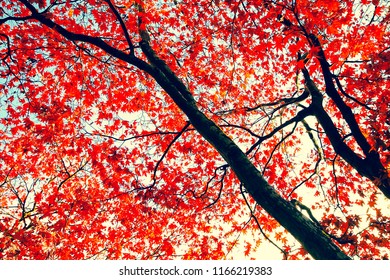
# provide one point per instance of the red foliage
(96, 161)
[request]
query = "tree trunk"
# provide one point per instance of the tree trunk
(313, 239)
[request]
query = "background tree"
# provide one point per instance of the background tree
(194, 129)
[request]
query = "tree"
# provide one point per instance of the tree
(190, 129)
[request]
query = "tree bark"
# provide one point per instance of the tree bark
(312, 238)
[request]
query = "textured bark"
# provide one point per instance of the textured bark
(312, 238)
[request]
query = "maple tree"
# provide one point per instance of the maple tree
(194, 129)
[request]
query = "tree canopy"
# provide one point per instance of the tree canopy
(172, 129)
